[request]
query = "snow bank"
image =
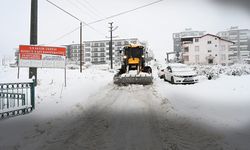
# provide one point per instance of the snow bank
(216, 70)
(54, 101)
(221, 104)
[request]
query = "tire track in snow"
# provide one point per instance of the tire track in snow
(180, 133)
(131, 118)
(122, 119)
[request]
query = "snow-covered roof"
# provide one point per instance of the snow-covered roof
(209, 35)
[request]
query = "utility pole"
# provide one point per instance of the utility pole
(111, 45)
(80, 47)
(33, 34)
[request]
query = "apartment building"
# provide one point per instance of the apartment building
(241, 38)
(187, 33)
(97, 52)
(206, 49)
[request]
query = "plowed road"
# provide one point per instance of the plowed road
(129, 118)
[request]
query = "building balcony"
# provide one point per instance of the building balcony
(99, 51)
(187, 42)
(98, 62)
(98, 56)
(98, 45)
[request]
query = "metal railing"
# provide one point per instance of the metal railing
(16, 98)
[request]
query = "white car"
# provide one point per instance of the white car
(180, 73)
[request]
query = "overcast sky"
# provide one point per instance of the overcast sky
(154, 23)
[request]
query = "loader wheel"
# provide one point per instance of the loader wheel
(147, 69)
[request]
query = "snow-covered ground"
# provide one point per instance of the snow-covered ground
(93, 113)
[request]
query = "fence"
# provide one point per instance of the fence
(16, 98)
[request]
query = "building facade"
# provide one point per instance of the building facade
(206, 49)
(241, 38)
(187, 33)
(97, 52)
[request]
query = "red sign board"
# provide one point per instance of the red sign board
(42, 56)
(32, 52)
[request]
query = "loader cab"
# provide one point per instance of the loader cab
(133, 54)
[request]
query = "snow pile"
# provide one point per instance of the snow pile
(54, 101)
(214, 71)
(222, 105)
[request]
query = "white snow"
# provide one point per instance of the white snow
(220, 105)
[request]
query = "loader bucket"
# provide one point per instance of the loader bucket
(133, 79)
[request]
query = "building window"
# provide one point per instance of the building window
(87, 59)
(186, 58)
(186, 49)
(87, 44)
(87, 49)
(209, 42)
(196, 40)
(102, 54)
(197, 59)
(95, 49)
(119, 43)
(102, 49)
(209, 51)
(197, 48)
(87, 55)
(102, 44)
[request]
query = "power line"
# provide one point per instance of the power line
(90, 10)
(80, 9)
(64, 35)
(113, 16)
(64, 10)
(87, 2)
(75, 17)
(125, 12)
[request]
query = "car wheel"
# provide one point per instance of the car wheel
(164, 77)
(172, 80)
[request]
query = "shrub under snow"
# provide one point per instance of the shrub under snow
(213, 71)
